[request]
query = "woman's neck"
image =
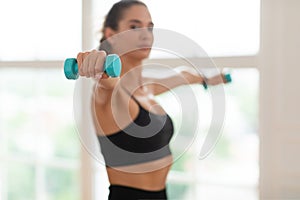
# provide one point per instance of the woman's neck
(131, 73)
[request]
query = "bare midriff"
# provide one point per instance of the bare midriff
(147, 176)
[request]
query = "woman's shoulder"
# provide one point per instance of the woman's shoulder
(114, 113)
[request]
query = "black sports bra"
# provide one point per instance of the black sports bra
(145, 139)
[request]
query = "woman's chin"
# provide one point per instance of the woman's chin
(141, 53)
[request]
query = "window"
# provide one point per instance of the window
(39, 30)
(221, 28)
(39, 147)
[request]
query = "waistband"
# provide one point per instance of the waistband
(132, 193)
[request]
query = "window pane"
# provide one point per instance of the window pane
(235, 157)
(21, 182)
(220, 27)
(212, 192)
(37, 129)
(62, 184)
(179, 191)
(36, 118)
(39, 30)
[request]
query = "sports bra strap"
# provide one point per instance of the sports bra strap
(132, 96)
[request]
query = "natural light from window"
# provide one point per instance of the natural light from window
(39, 30)
(220, 27)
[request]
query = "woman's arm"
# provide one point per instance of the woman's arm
(112, 106)
(161, 85)
(183, 77)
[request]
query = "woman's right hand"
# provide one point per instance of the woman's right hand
(90, 64)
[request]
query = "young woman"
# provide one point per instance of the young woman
(133, 130)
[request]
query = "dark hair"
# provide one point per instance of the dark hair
(112, 19)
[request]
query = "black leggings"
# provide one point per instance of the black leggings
(120, 192)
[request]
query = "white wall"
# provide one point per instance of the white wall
(279, 100)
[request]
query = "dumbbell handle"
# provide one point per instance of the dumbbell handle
(112, 67)
(227, 78)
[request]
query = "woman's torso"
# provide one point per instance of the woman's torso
(152, 180)
(150, 175)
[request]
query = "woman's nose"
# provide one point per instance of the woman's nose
(146, 34)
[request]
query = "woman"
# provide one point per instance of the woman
(133, 130)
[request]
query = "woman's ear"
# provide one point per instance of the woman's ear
(108, 33)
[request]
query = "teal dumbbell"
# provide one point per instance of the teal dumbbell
(112, 67)
(227, 78)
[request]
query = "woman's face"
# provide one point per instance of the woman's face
(134, 37)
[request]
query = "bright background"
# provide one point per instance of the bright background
(40, 155)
